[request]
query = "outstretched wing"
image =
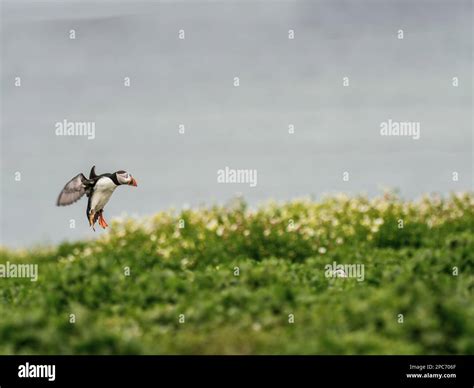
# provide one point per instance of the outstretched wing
(92, 174)
(73, 191)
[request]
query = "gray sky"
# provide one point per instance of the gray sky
(190, 82)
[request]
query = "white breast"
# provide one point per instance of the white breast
(103, 190)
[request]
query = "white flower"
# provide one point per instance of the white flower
(339, 273)
(378, 221)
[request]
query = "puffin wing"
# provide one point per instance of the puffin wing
(92, 174)
(74, 190)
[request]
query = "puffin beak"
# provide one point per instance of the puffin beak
(133, 182)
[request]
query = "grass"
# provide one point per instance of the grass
(186, 263)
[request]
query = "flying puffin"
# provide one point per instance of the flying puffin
(98, 189)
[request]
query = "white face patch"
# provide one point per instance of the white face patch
(124, 178)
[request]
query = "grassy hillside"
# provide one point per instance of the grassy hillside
(281, 251)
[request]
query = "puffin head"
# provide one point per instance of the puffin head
(124, 178)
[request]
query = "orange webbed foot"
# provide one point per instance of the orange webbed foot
(102, 221)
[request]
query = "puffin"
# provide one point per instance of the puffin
(98, 189)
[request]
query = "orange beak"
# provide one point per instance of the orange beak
(133, 182)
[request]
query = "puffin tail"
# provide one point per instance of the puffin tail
(92, 174)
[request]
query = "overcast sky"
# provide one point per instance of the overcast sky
(191, 82)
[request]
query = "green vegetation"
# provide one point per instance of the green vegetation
(281, 251)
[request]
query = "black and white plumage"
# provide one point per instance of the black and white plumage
(98, 189)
